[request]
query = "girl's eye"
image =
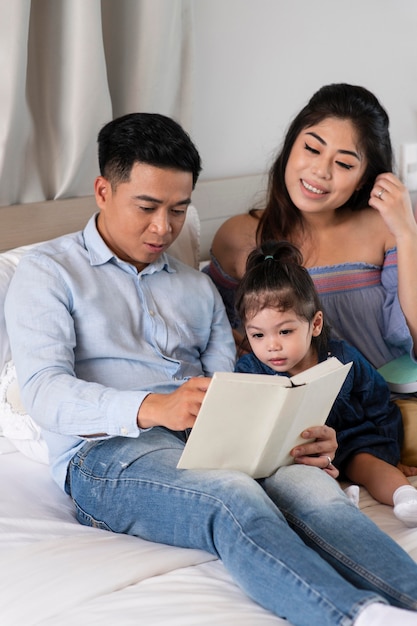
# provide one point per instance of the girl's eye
(286, 331)
(310, 149)
(346, 166)
(257, 335)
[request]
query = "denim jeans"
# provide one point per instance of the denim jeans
(293, 542)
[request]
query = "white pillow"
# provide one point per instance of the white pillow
(8, 262)
(15, 424)
(186, 247)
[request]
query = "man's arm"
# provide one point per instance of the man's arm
(42, 333)
(176, 410)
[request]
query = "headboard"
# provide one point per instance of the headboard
(215, 200)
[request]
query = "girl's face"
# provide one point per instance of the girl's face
(282, 340)
(325, 166)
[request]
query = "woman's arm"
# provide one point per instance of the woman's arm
(392, 200)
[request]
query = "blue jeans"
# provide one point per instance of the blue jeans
(293, 541)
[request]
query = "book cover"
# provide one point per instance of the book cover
(400, 374)
(250, 422)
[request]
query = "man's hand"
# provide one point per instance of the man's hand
(323, 448)
(176, 410)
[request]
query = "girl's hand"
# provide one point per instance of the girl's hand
(319, 452)
(392, 200)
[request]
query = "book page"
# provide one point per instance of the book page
(321, 369)
(235, 421)
(250, 422)
(309, 407)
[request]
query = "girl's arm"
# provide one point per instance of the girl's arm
(392, 200)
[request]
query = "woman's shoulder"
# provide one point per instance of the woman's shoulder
(233, 241)
(237, 228)
(369, 218)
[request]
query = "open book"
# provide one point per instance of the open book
(250, 422)
(400, 374)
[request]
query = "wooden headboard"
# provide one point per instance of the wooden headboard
(215, 200)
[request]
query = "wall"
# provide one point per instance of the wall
(258, 61)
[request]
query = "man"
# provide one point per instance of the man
(114, 343)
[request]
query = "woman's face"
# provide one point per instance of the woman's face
(325, 166)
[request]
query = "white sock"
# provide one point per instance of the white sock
(405, 505)
(352, 493)
(378, 614)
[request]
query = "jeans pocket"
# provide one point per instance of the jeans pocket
(88, 520)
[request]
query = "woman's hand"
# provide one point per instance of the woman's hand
(392, 200)
(319, 452)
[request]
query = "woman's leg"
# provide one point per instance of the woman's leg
(342, 535)
(132, 486)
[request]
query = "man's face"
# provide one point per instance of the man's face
(140, 219)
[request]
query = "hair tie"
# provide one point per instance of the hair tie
(268, 256)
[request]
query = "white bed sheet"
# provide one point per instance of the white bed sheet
(55, 572)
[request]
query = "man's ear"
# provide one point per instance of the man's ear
(102, 191)
(317, 323)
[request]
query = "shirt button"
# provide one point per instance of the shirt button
(151, 313)
(124, 430)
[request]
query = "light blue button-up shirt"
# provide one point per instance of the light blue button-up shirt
(91, 337)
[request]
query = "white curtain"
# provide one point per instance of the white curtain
(68, 67)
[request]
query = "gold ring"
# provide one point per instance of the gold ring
(329, 463)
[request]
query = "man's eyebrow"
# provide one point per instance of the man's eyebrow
(147, 198)
(321, 140)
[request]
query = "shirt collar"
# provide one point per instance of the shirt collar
(100, 253)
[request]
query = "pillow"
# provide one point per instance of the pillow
(15, 424)
(8, 262)
(186, 248)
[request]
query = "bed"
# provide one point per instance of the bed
(57, 572)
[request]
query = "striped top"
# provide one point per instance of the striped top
(359, 300)
(351, 276)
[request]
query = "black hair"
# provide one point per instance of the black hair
(341, 101)
(275, 278)
(149, 138)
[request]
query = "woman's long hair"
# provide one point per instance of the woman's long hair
(281, 218)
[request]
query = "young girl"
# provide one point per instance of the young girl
(281, 313)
